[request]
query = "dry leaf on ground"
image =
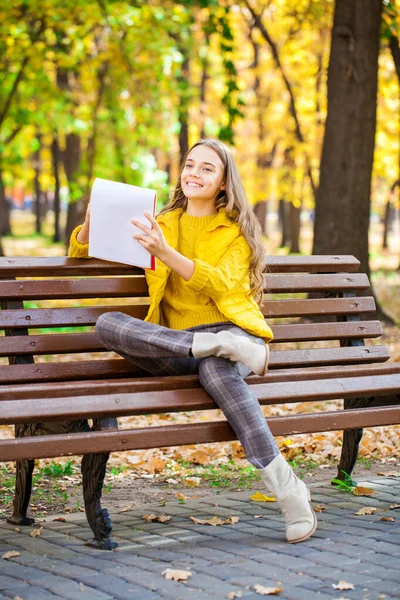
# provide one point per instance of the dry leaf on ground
(62, 519)
(343, 585)
(183, 497)
(176, 574)
(368, 510)
(359, 490)
(192, 481)
(267, 591)
(215, 521)
(391, 519)
(394, 506)
(320, 508)
(126, 508)
(158, 518)
(154, 465)
(259, 497)
(36, 532)
(389, 473)
(233, 595)
(10, 554)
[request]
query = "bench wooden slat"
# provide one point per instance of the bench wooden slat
(60, 266)
(117, 287)
(89, 342)
(182, 382)
(275, 284)
(60, 289)
(153, 402)
(77, 317)
(77, 370)
(176, 435)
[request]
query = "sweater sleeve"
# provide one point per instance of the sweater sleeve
(232, 268)
(76, 249)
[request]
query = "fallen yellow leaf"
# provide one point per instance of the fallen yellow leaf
(392, 519)
(10, 554)
(62, 519)
(214, 521)
(159, 518)
(343, 585)
(320, 508)
(126, 508)
(176, 574)
(192, 481)
(259, 497)
(393, 506)
(390, 474)
(363, 491)
(368, 510)
(267, 591)
(36, 532)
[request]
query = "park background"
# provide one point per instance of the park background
(120, 90)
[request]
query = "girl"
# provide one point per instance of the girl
(204, 314)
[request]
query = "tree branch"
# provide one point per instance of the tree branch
(12, 135)
(292, 104)
(18, 78)
(395, 50)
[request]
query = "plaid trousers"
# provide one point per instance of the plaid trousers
(163, 351)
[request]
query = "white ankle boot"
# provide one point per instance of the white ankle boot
(235, 347)
(293, 498)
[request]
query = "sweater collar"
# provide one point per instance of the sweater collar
(171, 217)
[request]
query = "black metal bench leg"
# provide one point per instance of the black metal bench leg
(351, 440)
(93, 473)
(23, 489)
(23, 483)
(352, 437)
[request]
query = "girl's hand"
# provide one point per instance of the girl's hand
(83, 235)
(152, 238)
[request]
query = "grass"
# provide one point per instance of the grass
(222, 475)
(346, 485)
(47, 489)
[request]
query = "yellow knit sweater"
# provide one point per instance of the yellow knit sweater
(184, 307)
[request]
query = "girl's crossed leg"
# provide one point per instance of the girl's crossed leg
(163, 351)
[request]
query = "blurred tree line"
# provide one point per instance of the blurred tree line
(307, 92)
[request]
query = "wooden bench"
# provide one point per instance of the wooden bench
(57, 397)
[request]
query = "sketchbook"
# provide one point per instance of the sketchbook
(113, 205)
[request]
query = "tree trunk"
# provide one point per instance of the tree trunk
(203, 86)
(343, 198)
(71, 159)
(261, 210)
(387, 221)
(5, 227)
(183, 107)
(284, 221)
(117, 139)
(55, 154)
(38, 192)
(295, 213)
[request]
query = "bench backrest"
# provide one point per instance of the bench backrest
(40, 316)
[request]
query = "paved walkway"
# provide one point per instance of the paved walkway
(361, 550)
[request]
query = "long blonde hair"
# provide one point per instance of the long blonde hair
(233, 199)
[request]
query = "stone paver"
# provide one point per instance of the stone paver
(362, 550)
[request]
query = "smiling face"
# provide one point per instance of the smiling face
(202, 177)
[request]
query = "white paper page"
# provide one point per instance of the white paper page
(113, 205)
